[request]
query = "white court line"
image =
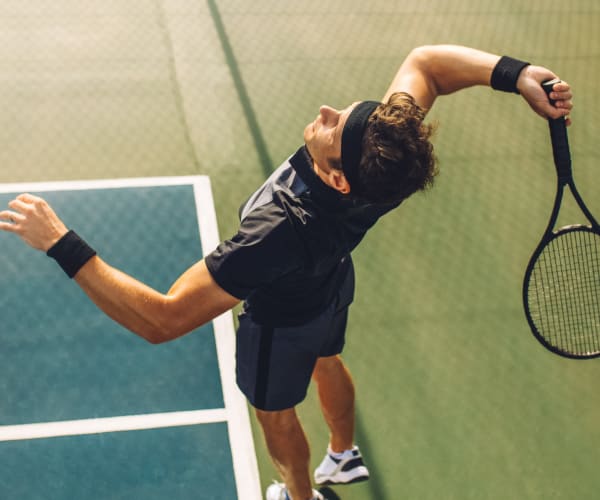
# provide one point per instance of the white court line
(110, 424)
(235, 412)
(240, 433)
(21, 187)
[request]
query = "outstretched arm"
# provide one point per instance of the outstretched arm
(435, 70)
(194, 299)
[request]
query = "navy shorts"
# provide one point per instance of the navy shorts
(274, 365)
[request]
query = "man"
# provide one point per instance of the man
(290, 260)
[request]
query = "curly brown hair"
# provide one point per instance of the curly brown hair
(397, 155)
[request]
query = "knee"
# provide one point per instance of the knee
(326, 367)
(279, 419)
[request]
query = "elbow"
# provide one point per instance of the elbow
(168, 323)
(428, 53)
(157, 335)
(155, 338)
(162, 328)
(424, 60)
(153, 335)
(421, 55)
(173, 318)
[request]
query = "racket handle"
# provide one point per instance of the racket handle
(560, 140)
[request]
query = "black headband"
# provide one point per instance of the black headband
(352, 136)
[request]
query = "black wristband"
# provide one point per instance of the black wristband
(71, 253)
(506, 73)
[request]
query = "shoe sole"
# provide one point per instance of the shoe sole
(328, 482)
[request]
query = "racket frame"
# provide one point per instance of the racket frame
(562, 161)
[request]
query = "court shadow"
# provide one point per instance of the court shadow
(329, 494)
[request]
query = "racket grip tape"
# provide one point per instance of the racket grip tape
(559, 137)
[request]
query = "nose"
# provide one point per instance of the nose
(330, 116)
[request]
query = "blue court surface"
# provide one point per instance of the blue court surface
(91, 411)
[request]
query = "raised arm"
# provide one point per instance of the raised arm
(436, 70)
(194, 299)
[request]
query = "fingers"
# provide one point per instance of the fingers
(12, 217)
(29, 198)
(562, 88)
(22, 208)
(529, 84)
(562, 96)
(25, 205)
(26, 201)
(9, 221)
(12, 220)
(33, 220)
(19, 206)
(563, 101)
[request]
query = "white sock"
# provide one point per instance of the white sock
(342, 455)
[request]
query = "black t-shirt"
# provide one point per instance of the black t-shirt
(293, 246)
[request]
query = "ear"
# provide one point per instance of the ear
(338, 181)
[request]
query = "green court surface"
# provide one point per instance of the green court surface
(456, 399)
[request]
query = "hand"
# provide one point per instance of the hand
(529, 85)
(34, 221)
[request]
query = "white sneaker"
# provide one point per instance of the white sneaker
(347, 470)
(278, 491)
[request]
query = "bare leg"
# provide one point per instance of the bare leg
(336, 393)
(288, 448)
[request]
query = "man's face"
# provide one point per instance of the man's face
(323, 137)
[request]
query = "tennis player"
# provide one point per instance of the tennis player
(290, 260)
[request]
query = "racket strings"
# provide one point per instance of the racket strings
(564, 293)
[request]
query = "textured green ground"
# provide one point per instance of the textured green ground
(456, 399)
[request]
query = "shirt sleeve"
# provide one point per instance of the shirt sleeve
(264, 249)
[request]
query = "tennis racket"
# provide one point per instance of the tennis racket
(561, 289)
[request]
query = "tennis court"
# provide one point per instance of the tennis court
(93, 412)
(456, 399)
